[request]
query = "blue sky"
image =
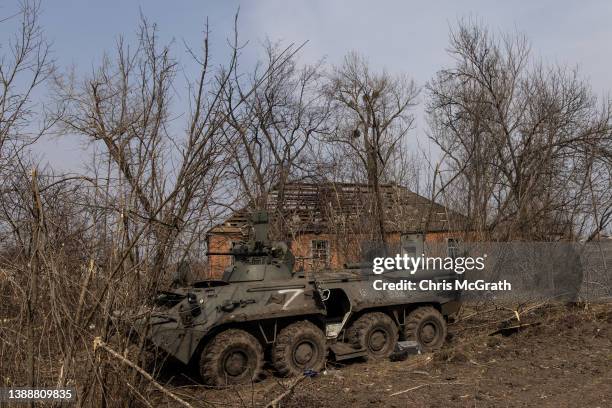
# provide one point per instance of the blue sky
(402, 36)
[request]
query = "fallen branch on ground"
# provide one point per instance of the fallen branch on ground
(98, 343)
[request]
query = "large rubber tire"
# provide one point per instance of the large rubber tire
(376, 332)
(426, 326)
(298, 347)
(231, 357)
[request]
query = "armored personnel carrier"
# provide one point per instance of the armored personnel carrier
(262, 310)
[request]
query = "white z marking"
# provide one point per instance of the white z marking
(296, 292)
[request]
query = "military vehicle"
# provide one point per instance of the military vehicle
(263, 310)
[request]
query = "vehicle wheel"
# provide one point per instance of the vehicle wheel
(376, 332)
(299, 346)
(427, 327)
(231, 357)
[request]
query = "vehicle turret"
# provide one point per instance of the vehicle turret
(258, 258)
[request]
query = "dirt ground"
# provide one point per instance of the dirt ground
(561, 358)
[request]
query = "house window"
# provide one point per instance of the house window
(452, 247)
(319, 252)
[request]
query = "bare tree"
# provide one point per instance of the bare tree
(272, 133)
(126, 106)
(373, 115)
(511, 131)
(596, 214)
(24, 65)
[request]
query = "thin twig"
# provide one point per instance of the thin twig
(424, 385)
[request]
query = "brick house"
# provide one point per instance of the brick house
(328, 223)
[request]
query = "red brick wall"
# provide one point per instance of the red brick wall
(220, 243)
(442, 236)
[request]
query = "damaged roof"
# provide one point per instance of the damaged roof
(334, 207)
